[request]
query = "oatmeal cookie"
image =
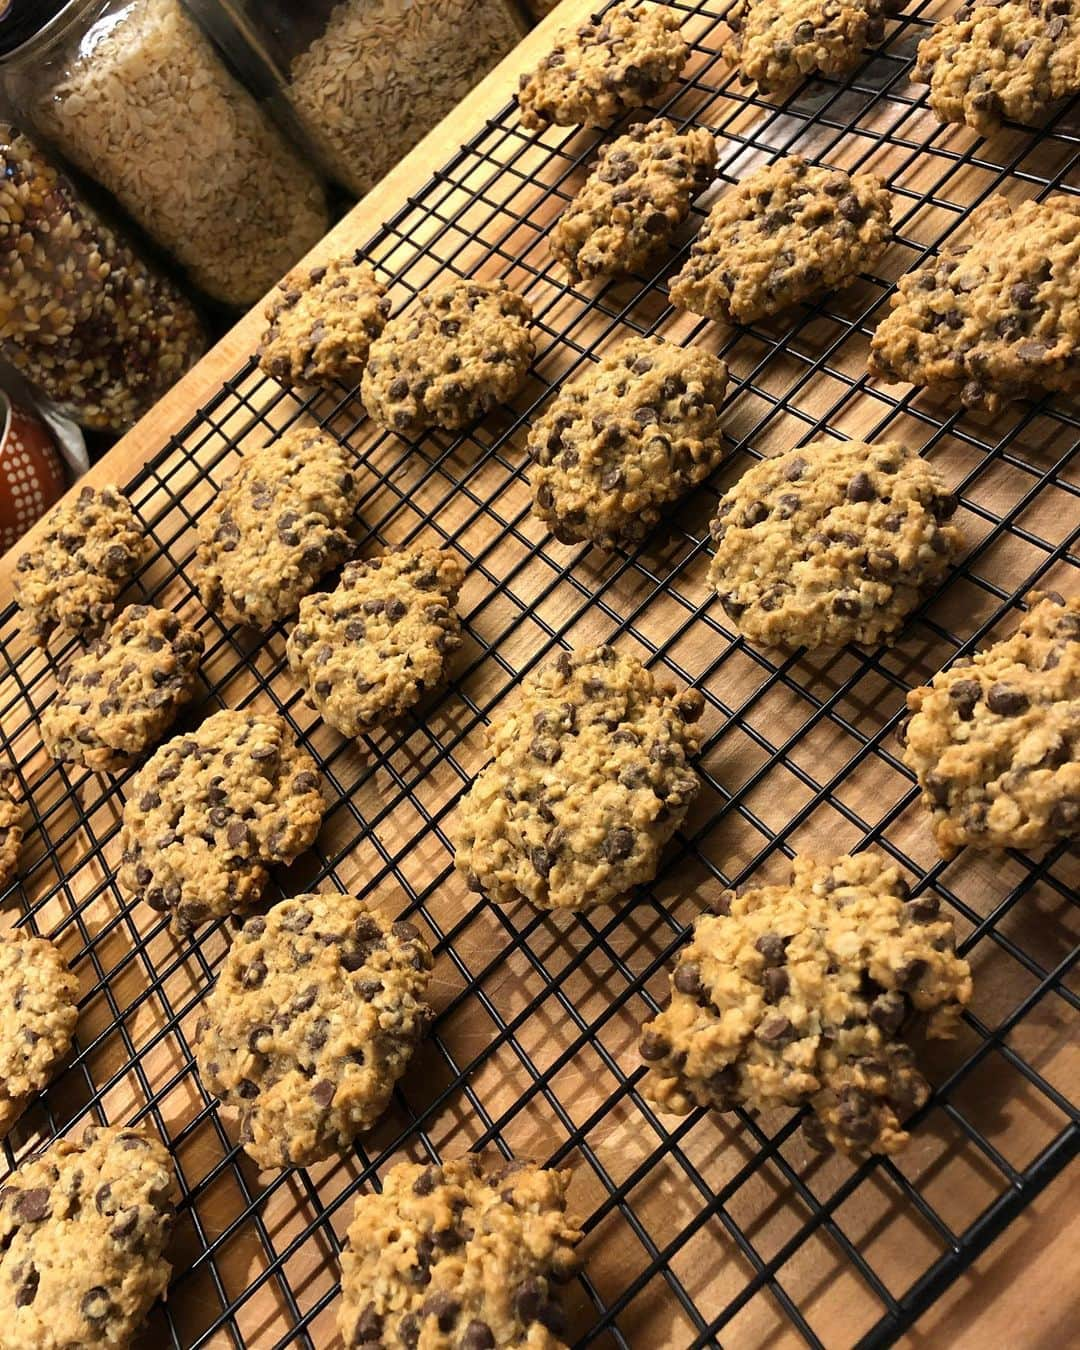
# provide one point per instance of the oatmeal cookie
(786, 233)
(370, 650)
(994, 319)
(456, 1255)
(627, 437)
(798, 994)
(313, 1019)
(82, 1236)
(459, 350)
(210, 813)
(590, 779)
(1006, 59)
(280, 522)
(637, 195)
(92, 547)
(779, 43)
(322, 323)
(612, 63)
(832, 543)
(11, 822)
(38, 995)
(995, 739)
(119, 698)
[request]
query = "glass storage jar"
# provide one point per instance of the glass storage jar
(84, 317)
(134, 94)
(366, 79)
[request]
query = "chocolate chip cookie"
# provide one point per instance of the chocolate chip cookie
(612, 63)
(637, 195)
(835, 542)
(37, 1019)
(370, 650)
(786, 233)
(459, 350)
(456, 1255)
(82, 1236)
(121, 696)
(211, 812)
(799, 994)
(590, 779)
(91, 548)
(313, 1019)
(627, 437)
(995, 739)
(322, 323)
(1006, 59)
(11, 818)
(993, 319)
(278, 524)
(779, 43)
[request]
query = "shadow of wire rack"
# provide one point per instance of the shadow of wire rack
(699, 1230)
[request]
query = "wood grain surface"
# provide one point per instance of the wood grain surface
(585, 984)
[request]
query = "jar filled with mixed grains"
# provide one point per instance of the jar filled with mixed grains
(84, 317)
(134, 94)
(365, 80)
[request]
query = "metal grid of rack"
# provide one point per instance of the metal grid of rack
(702, 1229)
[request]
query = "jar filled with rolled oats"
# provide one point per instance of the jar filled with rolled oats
(365, 80)
(136, 96)
(84, 316)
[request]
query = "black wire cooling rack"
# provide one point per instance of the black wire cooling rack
(700, 1230)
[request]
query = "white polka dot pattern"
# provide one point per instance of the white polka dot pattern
(31, 475)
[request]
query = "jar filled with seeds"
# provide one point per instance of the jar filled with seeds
(83, 316)
(365, 80)
(134, 94)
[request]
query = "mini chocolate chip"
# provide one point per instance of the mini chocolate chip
(964, 695)
(32, 1205)
(237, 834)
(544, 749)
(254, 975)
(257, 1035)
(96, 1305)
(126, 1224)
(775, 1030)
(443, 1308)
(322, 1094)
(861, 489)
(911, 972)
(772, 947)
(28, 1287)
(688, 979)
(428, 1179)
(888, 1011)
(1006, 700)
(937, 788)
(851, 209)
(776, 984)
(529, 1300)
(618, 844)
(369, 1325)
(405, 931)
(653, 1045)
(478, 1336)
(542, 861)
(924, 908)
